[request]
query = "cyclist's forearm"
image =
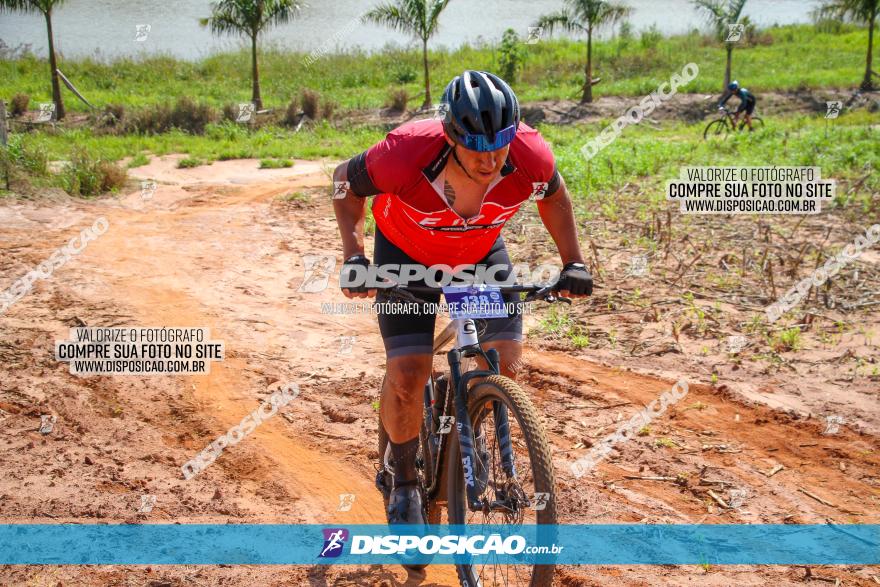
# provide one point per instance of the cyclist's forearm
(557, 215)
(350, 216)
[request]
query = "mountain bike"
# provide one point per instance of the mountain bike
(482, 447)
(723, 126)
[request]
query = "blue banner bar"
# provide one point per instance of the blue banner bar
(628, 544)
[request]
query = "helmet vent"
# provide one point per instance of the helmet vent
(488, 128)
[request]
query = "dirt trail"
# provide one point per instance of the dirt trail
(221, 247)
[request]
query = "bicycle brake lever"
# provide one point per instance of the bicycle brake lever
(541, 294)
(403, 295)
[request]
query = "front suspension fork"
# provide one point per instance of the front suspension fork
(464, 427)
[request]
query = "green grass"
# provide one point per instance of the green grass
(220, 142)
(797, 57)
(138, 160)
(649, 157)
(298, 197)
(275, 163)
(845, 149)
(189, 162)
(786, 340)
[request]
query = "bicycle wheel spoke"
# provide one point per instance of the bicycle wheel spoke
(506, 436)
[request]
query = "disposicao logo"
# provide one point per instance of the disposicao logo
(334, 540)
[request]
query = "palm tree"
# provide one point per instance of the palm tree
(721, 14)
(414, 17)
(579, 16)
(45, 7)
(249, 18)
(862, 11)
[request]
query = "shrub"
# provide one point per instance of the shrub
(151, 120)
(309, 99)
(275, 163)
(189, 162)
(29, 156)
(404, 74)
(229, 112)
(192, 117)
(291, 114)
(86, 176)
(139, 160)
(650, 37)
(19, 104)
(397, 99)
(112, 116)
(512, 55)
(230, 155)
(185, 115)
(831, 26)
(112, 176)
(328, 109)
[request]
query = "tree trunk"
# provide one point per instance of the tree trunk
(728, 67)
(587, 96)
(56, 87)
(427, 75)
(868, 83)
(255, 74)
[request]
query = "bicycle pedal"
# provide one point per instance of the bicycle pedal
(381, 483)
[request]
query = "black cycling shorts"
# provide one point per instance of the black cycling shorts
(408, 328)
(748, 106)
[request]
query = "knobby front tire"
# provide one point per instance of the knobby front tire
(525, 426)
(716, 128)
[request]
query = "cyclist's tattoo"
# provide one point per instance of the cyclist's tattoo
(449, 192)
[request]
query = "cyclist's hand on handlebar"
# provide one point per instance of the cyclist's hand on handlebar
(351, 274)
(575, 281)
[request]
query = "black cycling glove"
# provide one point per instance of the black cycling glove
(576, 279)
(351, 274)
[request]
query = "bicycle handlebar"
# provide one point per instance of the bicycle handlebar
(535, 292)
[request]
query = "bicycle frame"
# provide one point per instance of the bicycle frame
(468, 345)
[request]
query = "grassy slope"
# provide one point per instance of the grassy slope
(797, 57)
(845, 148)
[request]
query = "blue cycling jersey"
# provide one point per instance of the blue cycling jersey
(743, 94)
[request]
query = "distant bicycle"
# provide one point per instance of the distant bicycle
(723, 126)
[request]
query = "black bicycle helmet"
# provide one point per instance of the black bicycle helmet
(482, 112)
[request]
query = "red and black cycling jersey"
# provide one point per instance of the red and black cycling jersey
(407, 171)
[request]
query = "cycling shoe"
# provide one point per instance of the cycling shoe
(405, 506)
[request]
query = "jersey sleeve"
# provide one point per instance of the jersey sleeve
(379, 169)
(542, 164)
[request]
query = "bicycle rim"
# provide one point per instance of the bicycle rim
(534, 474)
(715, 128)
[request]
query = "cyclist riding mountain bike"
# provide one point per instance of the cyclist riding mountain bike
(443, 191)
(747, 102)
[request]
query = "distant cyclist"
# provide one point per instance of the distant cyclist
(747, 102)
(444, 190)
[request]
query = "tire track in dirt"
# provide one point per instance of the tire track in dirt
(312, 471)
(226, 255)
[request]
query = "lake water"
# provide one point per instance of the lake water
(109, 28)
